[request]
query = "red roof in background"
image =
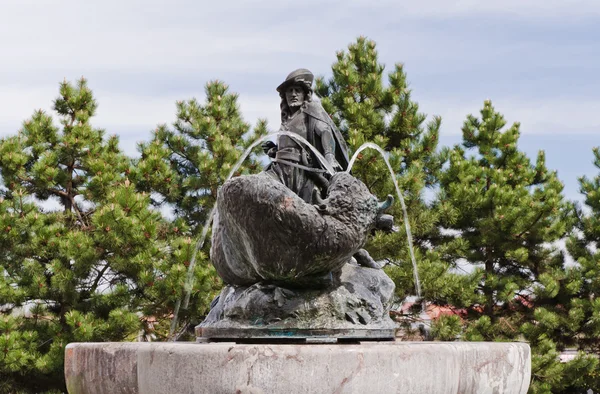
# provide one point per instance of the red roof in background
(434, 311)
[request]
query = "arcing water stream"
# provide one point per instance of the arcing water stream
(189, 282)
(404, 211)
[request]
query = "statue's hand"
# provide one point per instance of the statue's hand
(269, 148)
(330, 157)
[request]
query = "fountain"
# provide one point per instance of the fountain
(304, 308)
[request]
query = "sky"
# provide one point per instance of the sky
(537, 60)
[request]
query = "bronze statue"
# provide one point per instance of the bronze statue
(287, 241)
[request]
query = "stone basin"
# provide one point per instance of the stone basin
(369, 367)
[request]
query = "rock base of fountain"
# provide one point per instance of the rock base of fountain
(353, 305)
(374, 367)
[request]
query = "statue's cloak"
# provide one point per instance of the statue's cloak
(317, 113)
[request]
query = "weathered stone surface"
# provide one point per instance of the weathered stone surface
(397, 367)
(358, 299)
(102, 368)
(264, 232)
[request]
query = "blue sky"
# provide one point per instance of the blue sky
(538, 61)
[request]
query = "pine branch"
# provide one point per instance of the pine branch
(539, 217)
(77, 211)
(99, 278)
(179, 152)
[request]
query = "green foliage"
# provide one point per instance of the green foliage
(506, 211)
(584, 306)
(503, 215)
(446, 327)
(583, 246)
(184, 166)
(82, 271)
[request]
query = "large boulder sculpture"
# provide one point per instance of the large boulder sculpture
(289, 264)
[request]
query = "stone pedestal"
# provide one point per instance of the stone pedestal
(376, 367)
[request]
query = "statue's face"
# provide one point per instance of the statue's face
(294, 95)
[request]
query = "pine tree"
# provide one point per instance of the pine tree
(367, 108)
(583, 247)
(84, 271)
(183, 167)
(506, 215)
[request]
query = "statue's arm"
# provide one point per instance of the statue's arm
(328, 142)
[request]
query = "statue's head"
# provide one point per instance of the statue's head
(295, 90)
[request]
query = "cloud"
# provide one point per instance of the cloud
(261, 107)
(537, 117)
(113, 110)
(244, 36)
(155, 35)
(147, 54)
(19, 104)
(530, 9)
(130, 116)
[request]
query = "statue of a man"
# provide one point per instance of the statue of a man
(293, 164)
